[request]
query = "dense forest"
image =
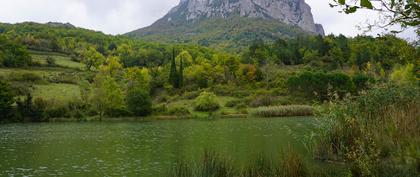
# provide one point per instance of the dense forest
(57, 71)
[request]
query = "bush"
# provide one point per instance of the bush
(362, 81)
(179, 111)
(139, 102)
(206, 102)
(232, 103)
(6, 99)
(159, 109)
(26, 77)
(65, 78)
(263, 100)
(51, 61)
(283, 111)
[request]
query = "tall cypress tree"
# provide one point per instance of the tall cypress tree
(181, 73)
(173, 79)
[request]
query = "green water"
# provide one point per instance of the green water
(140, 149)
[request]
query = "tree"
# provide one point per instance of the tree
(138, 79)
(184, 57)
(174, 75)
(139, 102)
(13, 54)
(92, 58)
(107, 95)
(181, 73)
(113, 66)
(403, 12)
(6, 99)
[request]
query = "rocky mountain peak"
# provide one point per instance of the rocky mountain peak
(293, 12)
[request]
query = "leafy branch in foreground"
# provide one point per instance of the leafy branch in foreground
(393, 12)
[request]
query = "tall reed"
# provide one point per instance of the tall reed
(283, 111)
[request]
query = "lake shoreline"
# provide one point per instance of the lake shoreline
(161, 118)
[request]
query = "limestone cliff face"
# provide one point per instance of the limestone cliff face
(293, 12)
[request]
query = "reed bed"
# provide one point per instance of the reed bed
(283, 111)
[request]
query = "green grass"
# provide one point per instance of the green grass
(41, 71)
(60, 92)
(60, 59)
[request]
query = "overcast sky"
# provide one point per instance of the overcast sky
(121, 16)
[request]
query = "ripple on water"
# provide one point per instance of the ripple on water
(131, 149)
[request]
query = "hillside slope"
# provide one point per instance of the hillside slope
(231, 24)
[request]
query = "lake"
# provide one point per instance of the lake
(147, 149)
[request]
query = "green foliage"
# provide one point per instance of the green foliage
(362, 81)
(6, 99)
(51, 61)
(403, 12)
(320, 84)
(374, 131)
(173, 76)
(107, 95)
(404, 75)
(13, 54)
(137, 78)
(92, 58)
(332, 51)
(283, 111)
(139, 102)
(178, 111)
(206, 102)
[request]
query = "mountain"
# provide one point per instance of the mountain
(225, 23)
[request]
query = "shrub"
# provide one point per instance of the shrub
(51, 61)
(361, 81)
(232, 103)
(283, 111)
(6, 99)
(191, 95)
(206, 102)
(160, 108)
(26, 77)
(66, 78)
(263, 100)
(179, 111)
(139, 102)
(38, 110)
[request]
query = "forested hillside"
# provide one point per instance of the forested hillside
(100, 73)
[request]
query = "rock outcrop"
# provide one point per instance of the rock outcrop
(231, 24)
(293, 12)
